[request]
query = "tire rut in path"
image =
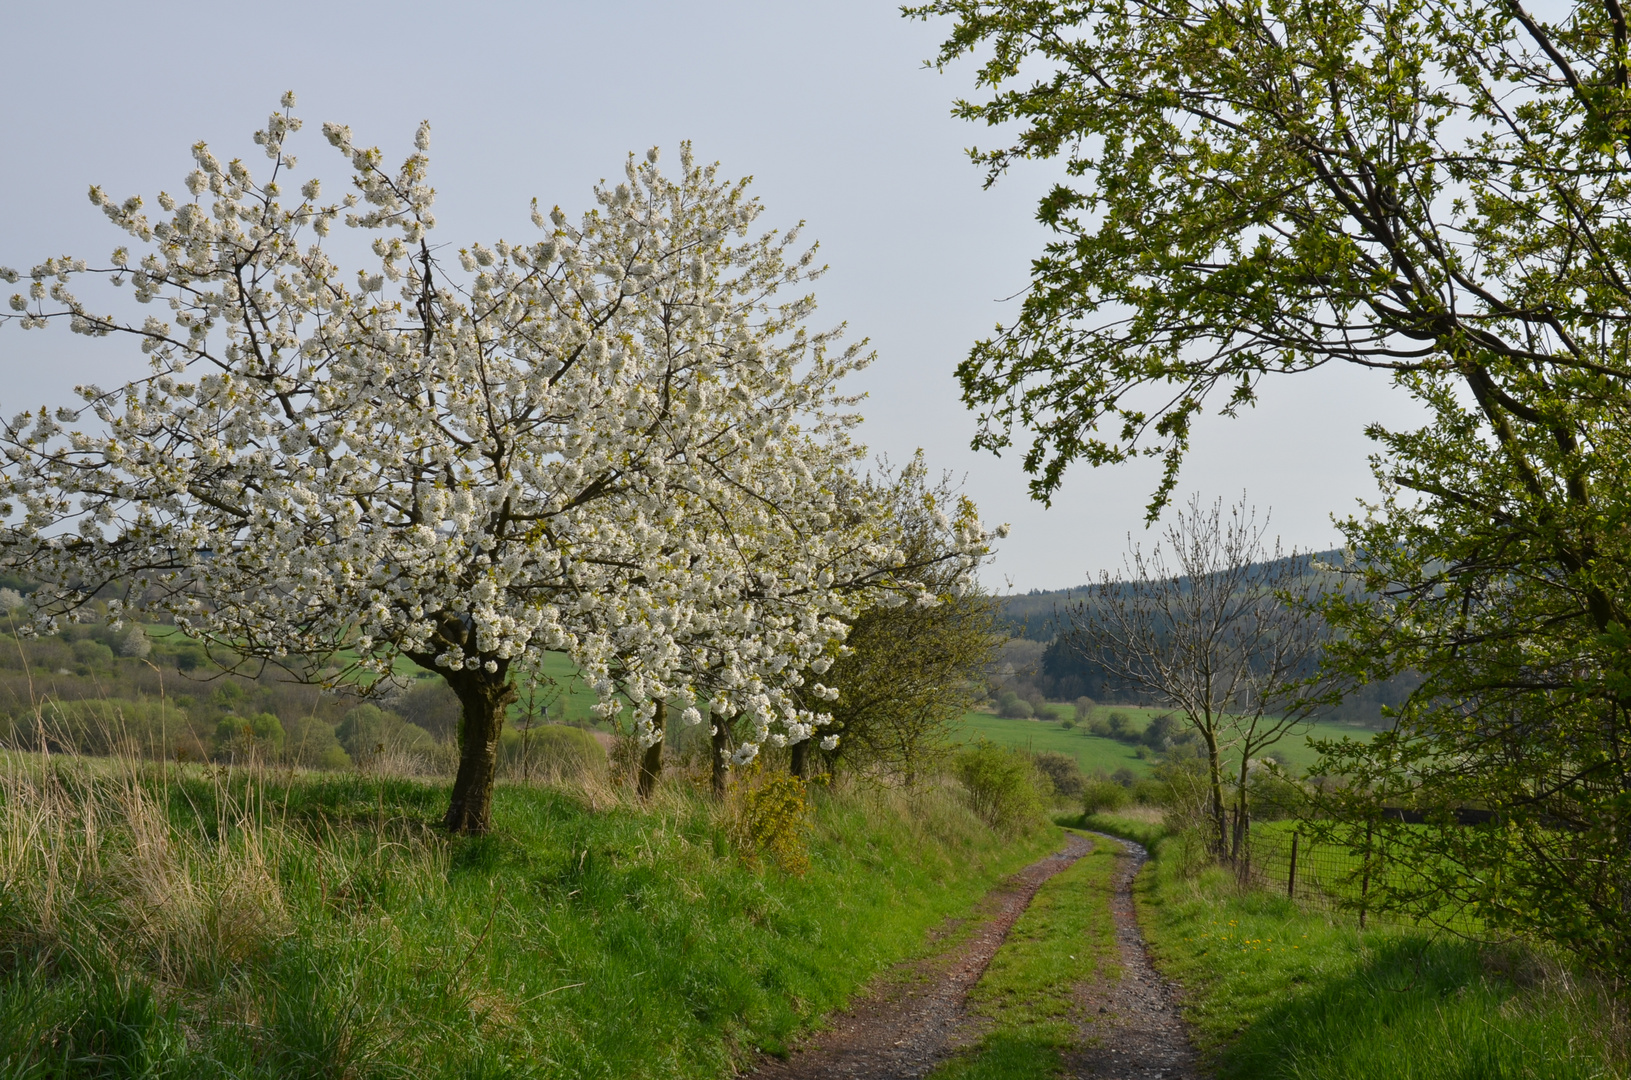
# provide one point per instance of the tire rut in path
(1138, 1033)
(907, 1026)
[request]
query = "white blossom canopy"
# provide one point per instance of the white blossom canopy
(616, 440)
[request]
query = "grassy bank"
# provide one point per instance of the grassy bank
(196, 923)
(1276, 991)
(1065, 938)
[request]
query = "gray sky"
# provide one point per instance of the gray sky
(827, 105)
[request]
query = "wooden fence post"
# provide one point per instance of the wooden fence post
(1291, 878)
(1364, 881)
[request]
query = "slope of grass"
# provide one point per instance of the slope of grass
(1278, 992)
(1092, 751)
(1065, 938)
(198, 923)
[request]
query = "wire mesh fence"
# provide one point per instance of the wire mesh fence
(1283, 858)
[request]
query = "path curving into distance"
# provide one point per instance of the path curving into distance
(1139, 1034)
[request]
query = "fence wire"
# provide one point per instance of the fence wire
(1334, 878)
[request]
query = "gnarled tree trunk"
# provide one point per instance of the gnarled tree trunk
(651, 765)
(485, 697)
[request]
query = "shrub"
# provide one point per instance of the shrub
(1150, 793)
(432, 705)
(93, 654)
(311, 743)
(1159, 731)
(552, 751)
(368, 729)
(135, 644)
(770, 815)
(1084, 708)
(1063, 770)
(1001, 784)
(1014, 707)
(1120, 726)
(239, 738)
(1067, 723)
(1100, 795)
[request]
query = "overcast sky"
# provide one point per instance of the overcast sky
(828, 106)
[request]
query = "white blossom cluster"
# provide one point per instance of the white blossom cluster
(617, 440)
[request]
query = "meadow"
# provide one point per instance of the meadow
(1096, 752)
(1278, 990)
(191, 921)
(1037, 736)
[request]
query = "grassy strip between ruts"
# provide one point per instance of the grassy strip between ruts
(1065, 938)
(1276, 992)
(203, 924)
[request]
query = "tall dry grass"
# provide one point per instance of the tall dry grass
(183, 872)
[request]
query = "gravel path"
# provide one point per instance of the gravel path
(916, 1017)
(1139, 1034)
(907, 1025)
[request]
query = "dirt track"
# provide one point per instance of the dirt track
(917, 1016)
(1139, 1032)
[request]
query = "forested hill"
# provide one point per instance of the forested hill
(1035, 615)
(1058, 672)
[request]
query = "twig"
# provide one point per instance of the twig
(453, 978)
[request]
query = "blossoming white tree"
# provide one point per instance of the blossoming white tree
(614, 441)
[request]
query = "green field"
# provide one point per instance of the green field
(1092, 751)
(1097, 752)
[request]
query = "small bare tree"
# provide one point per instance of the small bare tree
(1225, 634)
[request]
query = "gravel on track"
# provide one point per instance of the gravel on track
(917, 1016)
(1139, 1033)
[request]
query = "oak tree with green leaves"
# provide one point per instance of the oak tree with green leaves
(1435, 189)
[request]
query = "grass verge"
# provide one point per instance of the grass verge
(1027, 994)
(1277, 992)
(202, 923)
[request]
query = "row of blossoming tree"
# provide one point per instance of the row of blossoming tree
(620, 440)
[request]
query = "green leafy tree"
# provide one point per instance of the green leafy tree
(1433, 188)
(909, 672)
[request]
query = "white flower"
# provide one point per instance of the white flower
(353, 466)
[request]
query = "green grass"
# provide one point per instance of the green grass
(1300, 756)
(1092, 751)
(1097, 752)
(1147, 833)
(211, 925)
(1277, 992)
(1065, 938)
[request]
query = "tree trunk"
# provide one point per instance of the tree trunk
(1242, 818)
(720, 746)
(800, 752)
(1220, 828)
(651, 765)
(485, 697)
